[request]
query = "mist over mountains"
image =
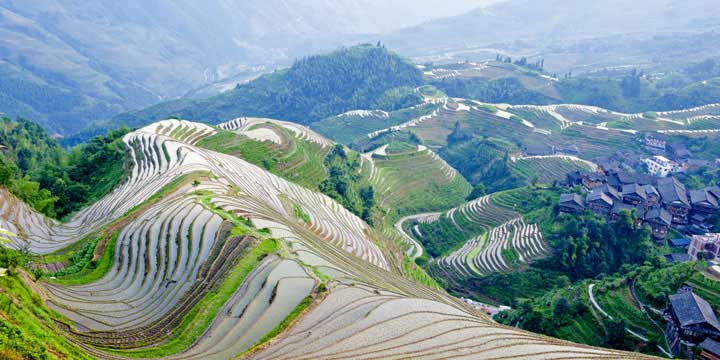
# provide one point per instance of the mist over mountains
(66, 62)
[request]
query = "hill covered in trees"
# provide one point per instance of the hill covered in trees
(55, 181)
(313, 88)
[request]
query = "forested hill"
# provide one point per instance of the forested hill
(51, 179)
(360, 77)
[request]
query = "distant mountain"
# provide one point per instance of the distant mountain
(63, 63)
(365, 76)
(535, 24)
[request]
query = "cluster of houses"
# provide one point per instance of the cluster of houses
(659, 202)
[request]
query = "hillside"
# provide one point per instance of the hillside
(277, 262)
(313, 88)
(393, 170)
(66, 64)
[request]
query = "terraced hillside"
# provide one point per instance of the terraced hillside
(687, 120)
(414, 179)
(478, 238)
(548, 169)
(287, 149)
(350, 126)
(213, 257)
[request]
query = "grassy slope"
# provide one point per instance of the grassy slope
(26, 327)
(547, 170)
(348, 128)
(297, 160)
(414, 182)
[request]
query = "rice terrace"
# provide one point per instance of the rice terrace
(467, 179)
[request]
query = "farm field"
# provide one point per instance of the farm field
(214, 256)
(394, 171)
(478, 238)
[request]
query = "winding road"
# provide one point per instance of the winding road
(415, 245)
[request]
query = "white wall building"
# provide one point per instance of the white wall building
(660, 166)
(708, 244)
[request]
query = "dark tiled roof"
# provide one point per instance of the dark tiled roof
(711, 346)
(599, 195)
(626, 177)
(649, 189)
(658, 215)
(691, 309)
(572, 198)
(593, 176)
(672, 191)
(700, 196)
(715, 190)
(634, 189)
(613, 180)
(619, 206)
(609, 190)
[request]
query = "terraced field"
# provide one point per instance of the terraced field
(220, 265)
(395, 177)
(548, 169)
(350, 126)
(290, 150)
(493, 238)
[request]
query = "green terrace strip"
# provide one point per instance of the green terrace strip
(398, 186)
(197, 321)
(300, 214)
(353, 126)
(295, 159)
(26, 325)
(91, 271)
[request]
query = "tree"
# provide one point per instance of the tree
(561, 309)
(615, 333)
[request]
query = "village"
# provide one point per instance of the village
(677, 217)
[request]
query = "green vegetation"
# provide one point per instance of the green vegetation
(480, 160)
(400, 190)
(79, 260)
(397, 147)
(441, 237)
(313, 88)
(297, 160)
(510, 256)
(566, 311)
(26, 326)
(344, 183)
(92, 270)
(304, 304)
(300, 214)
(503, 90)
(347, 129)
(586, 246)
(526, 200)
(635, 92)
(546, 170)
(53, 181)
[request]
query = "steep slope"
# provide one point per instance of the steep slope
(181, 244)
